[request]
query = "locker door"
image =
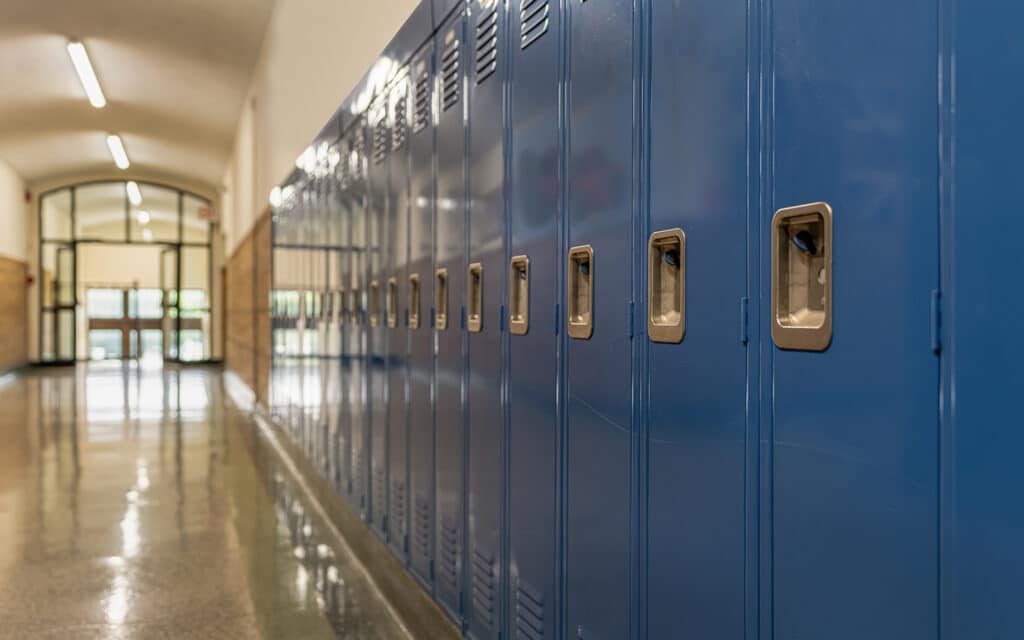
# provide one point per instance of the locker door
(378, 257)
(697, 434)
(485, 304)
(534, 274)
(600, 429)
(358, 321)
(854, 426)
(420, 301)
(983, 520)
(449, 296)
(396, 321)
(343, 180)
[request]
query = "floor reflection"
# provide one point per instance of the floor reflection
(135, 502)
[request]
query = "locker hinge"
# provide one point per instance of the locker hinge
(462, 317)
(936, 321)
(557, 315)
(630, 319)
(744, 320)
(406, 317)
(433, 318)
(501, 319)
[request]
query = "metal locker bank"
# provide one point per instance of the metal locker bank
(638, 320)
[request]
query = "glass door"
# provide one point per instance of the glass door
(57, 336)
(170, 316)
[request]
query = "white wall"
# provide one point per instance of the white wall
(314, 53)
(14, 215)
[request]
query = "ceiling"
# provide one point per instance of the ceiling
(174, 73)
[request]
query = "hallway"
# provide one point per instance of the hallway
(139, 502)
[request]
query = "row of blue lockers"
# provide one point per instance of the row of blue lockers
(674, 319)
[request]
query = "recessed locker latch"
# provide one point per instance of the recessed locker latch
(666, 286)
(802, 277)
(413, 312)
(475, 318)
(391, 304)
(580, 312)
(374, 303)
(519, 295)
(441, 299)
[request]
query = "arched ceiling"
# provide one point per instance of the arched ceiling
(174, 73)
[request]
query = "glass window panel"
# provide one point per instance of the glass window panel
(104, 303)
(105, 344)
(152, 343)
(48, 353)
(101, 211)
(66, 335)
(195, 226)
(56, 215)
(58, 275)
(145, 303)
(155, 219)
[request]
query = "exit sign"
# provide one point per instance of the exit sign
(208, 212)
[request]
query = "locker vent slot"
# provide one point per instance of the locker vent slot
(448, 565)
(529, 613)
(450, 76)
(380, 141)
(421, 527)
(401, 130)
(422, 117)
(483, 585)
(534, 21)
(398, 510)
(487, 45)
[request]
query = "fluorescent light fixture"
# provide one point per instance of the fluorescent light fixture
(143, 218)
(147, 235)
(86, 75)
(134, 195)
(117, 151)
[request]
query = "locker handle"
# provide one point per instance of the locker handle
(666, 286)
(414, 301)
(355, 306)
(391, 303)
(519, 294)
(475, 281)
(802, 277)
(441, 300)
(374, 303)
(580, 290)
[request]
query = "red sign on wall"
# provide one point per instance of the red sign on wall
(208, 213)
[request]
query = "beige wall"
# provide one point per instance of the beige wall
(14, 215)
(314, 54)
(14, 253)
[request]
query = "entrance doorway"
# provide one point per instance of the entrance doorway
(125, 323)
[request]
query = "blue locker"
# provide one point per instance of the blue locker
(449, 297)
(534, 273)
(357, 334)
(697, 437)
(601, 437)
(485, 295)
(420, 299)
(853, 421)
(982, 306)
(395, 309)
(378, 263)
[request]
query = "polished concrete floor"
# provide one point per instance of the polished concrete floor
(138, 502)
